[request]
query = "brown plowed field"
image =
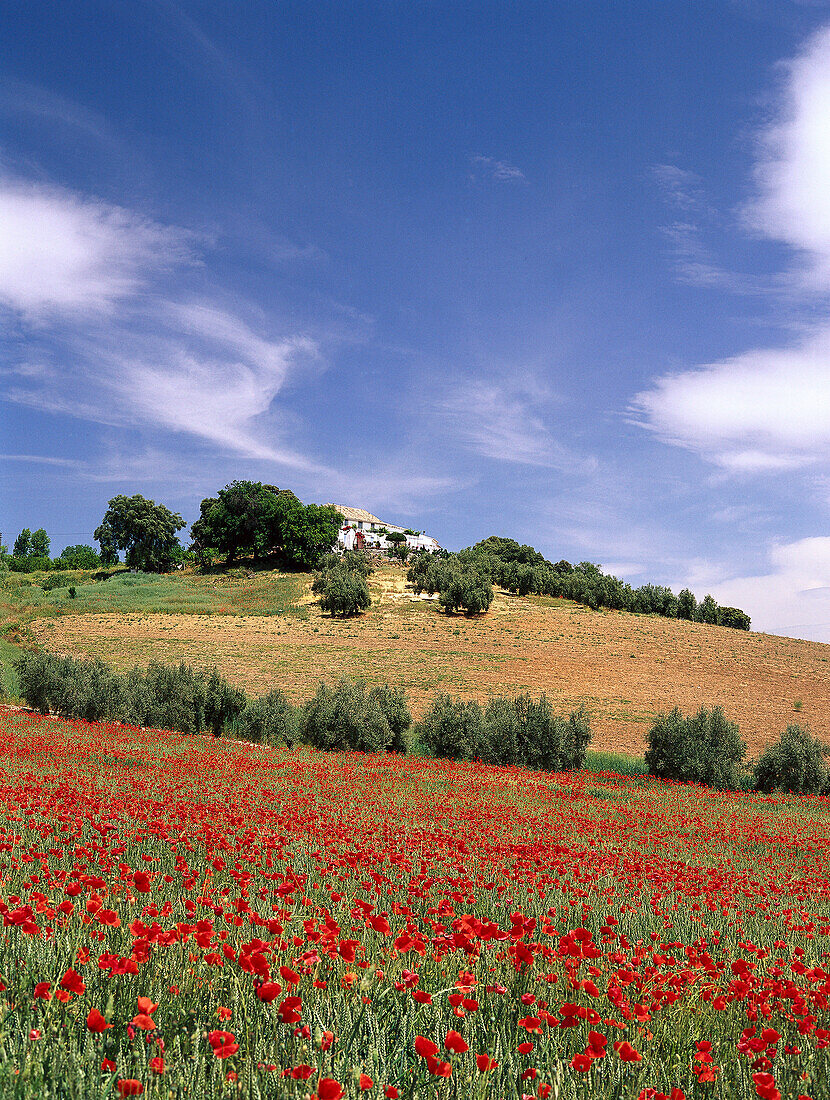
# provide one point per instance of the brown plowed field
(624, 668)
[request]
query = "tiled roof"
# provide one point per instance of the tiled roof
(357, 514)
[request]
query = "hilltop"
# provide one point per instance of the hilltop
(264, 629)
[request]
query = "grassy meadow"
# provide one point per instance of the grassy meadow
(263, 629)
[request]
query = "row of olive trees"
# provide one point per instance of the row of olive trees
(245, 519)
(464, 581)
(341, 583)
(707, 748)
(162, 697)
(349, 716)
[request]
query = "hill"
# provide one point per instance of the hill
(263, 629)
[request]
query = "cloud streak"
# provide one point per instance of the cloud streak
(792, 598)
(766, 410)
(504, 421)
(500, 170)
(62, 254)
(87, 280)
(103, 288)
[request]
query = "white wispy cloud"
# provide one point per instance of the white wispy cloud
(37, 102)
(507, 421)
(498, 169)
(767, 409)
(43, 460)
(65, 254)
(692, 218)
(88, 278)
(792, 172)
(97, 296)
(792, 597)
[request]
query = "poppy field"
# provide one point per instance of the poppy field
(199, 917)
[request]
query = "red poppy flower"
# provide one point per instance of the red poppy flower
(627, 1053)
(224, 1043)
(128, 1086)
(425, 1047)
(329, 1089)
(455, 1043)
(597, 1043)
(302, 1072)
(73, 982)
(438, 1068)
(485, 1063)
(96, 1022)
(268, 991)
(365, 1082)
(289, 1010)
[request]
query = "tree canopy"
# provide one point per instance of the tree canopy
(78, 557)
(247, 518)
(146, 531)
(41, 543)
(23, 544)
(523, 570)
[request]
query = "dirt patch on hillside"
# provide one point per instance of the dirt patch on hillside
(624, 668)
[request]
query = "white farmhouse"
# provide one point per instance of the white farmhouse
(362, 530)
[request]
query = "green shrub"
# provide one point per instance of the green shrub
(520, 579)
(525, 731)
(174, 697)
(734, 617)
(794, 763)
(466, 590)
(356, 561)
(575, 740)
(269, 719)
(342, 591)
(453, 729)
(222, 703)
(345, 717)
(163, 697)
(705, 748)
(393, 706)
(34, 673)
(77, 557)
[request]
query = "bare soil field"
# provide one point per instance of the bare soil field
(624, 668)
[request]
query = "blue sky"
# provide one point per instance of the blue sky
(558, 271)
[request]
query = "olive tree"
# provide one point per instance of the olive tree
(144, 530)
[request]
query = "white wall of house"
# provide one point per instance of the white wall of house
(347, 538)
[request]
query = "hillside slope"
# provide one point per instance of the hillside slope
(625, 668)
